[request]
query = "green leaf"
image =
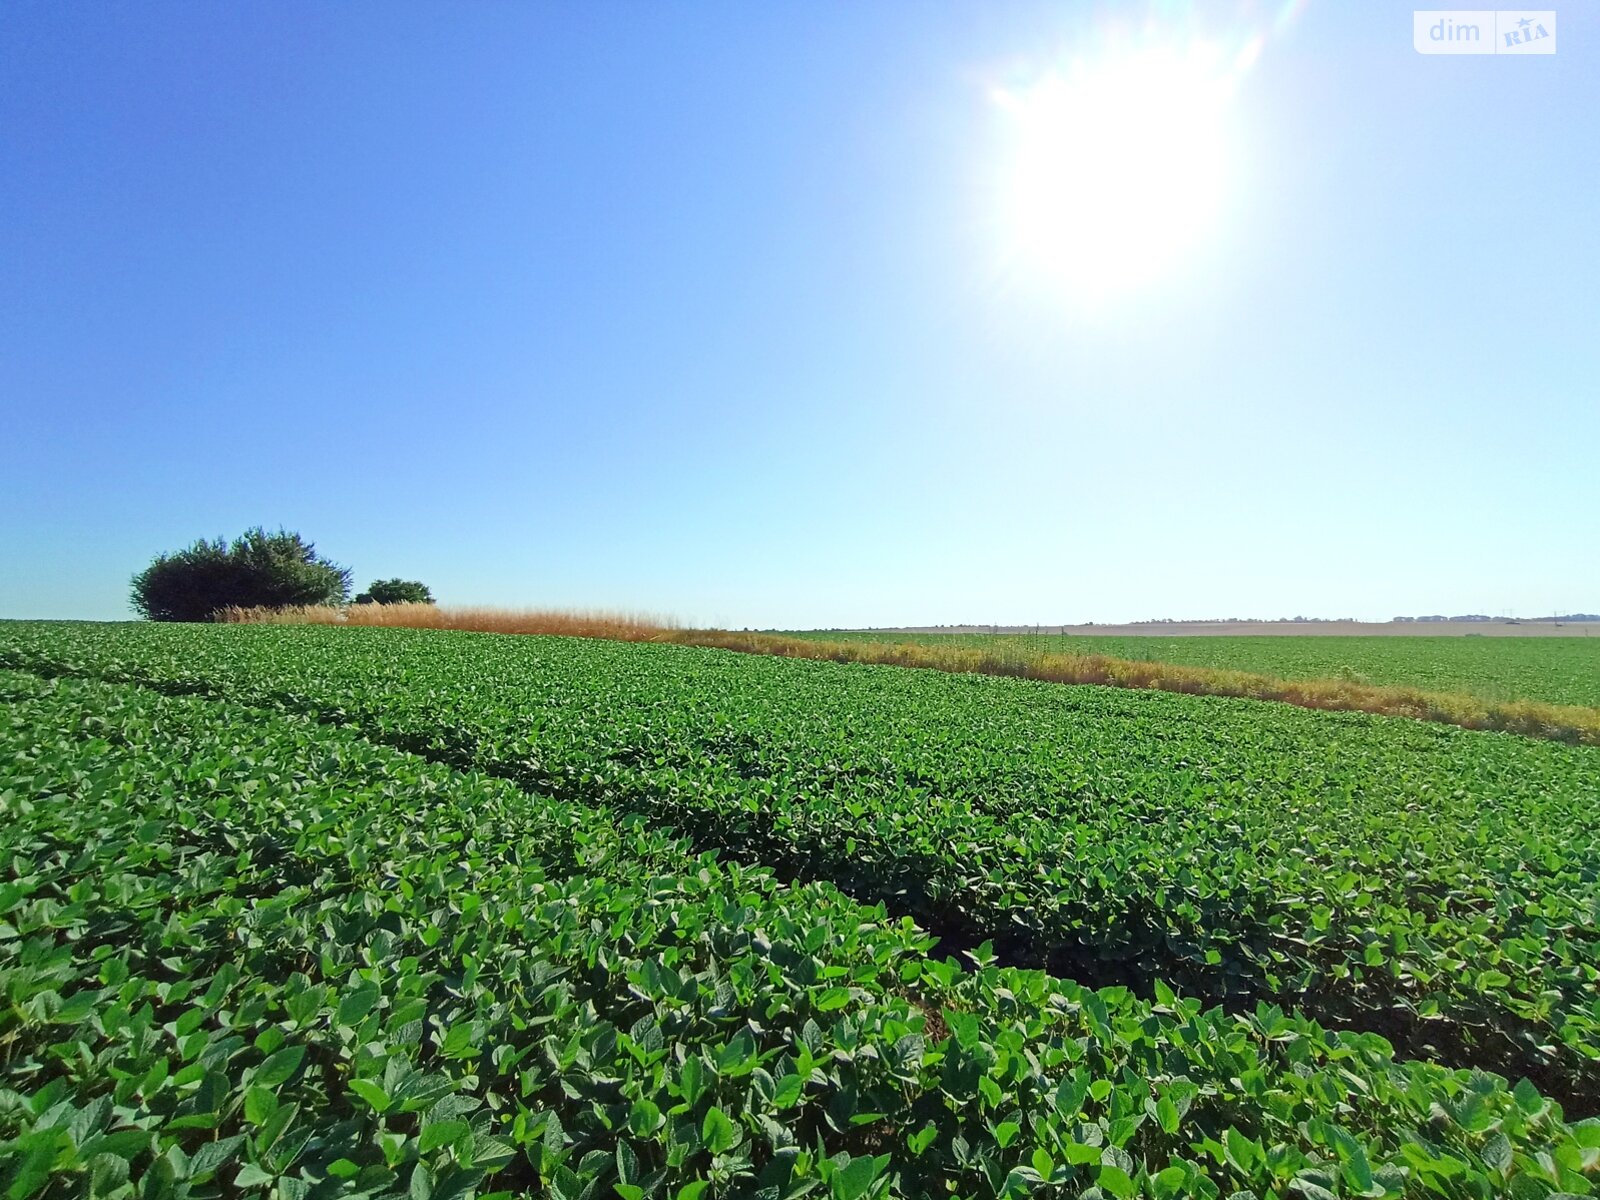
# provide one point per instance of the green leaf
(718, 1132)
(832, 999)
(355, 1005)
(644, 1118)
(788, 1092)
(126, 1144)
(259, 1105)
(441, 1133)
(1527, 1097)
(1167, 1114)
(737, 1056)
(854, 1180)
(107, 1173)
(460, 1042)
(1586, 1133)
(1497, 1152)
(1115, 1180)
(1169, 1182)
(1242, 1152)
(279, 1066)
(212, 1155)
(1357, 1170)
(1080, 1154)
(251, 1175)
(692, 1078)
(371, 1093)
(627, 1162)
(565, 1185)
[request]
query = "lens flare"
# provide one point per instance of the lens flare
(1116, 167)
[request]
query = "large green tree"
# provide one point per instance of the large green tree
(256, 569)
(396, 591)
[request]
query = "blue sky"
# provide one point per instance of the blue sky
(713, 310)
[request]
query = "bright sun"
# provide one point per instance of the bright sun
(1115, 168)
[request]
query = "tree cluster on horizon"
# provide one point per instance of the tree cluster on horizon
(255, 570)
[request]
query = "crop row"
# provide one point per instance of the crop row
(251, 954)
(1434, 885)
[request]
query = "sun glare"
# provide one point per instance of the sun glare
(1116, 168)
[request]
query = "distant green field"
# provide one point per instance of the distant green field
(1557, 670)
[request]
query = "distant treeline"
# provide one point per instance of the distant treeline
(1440, 617)
(1481, 617)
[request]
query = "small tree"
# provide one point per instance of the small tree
(258, 569)
(396, 591)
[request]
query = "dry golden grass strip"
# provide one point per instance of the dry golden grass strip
(624, 627)
(1567, 723)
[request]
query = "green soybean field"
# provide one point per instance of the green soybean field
(1559, 670)
(304, 912)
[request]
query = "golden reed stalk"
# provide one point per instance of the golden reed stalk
(1566, 723)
